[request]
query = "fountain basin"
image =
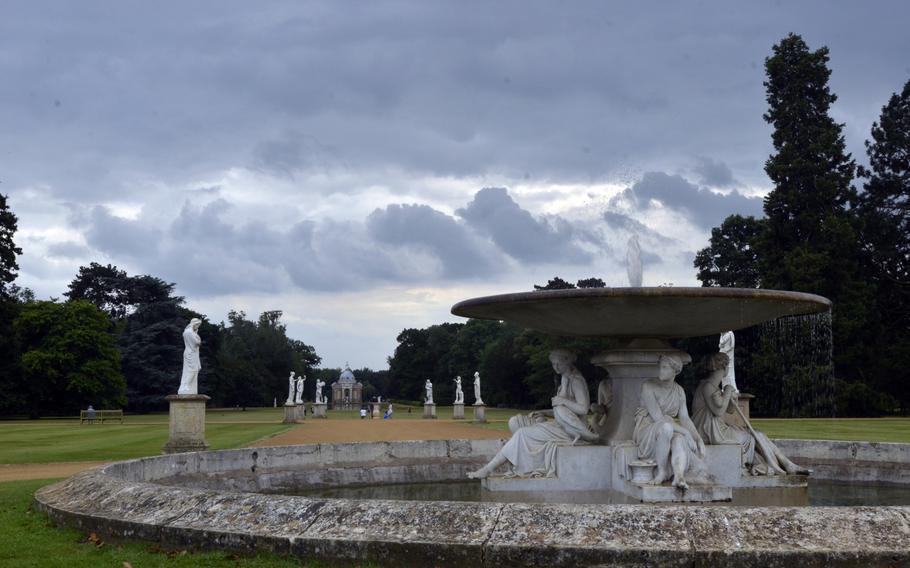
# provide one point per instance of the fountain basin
(209, 500)
(661, 313)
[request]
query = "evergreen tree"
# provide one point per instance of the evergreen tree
(9, 223)
(884, 208)
(810, 241)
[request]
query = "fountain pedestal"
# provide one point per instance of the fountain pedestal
(629, 367)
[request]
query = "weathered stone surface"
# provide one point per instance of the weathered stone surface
(141, 499)
(186, 423)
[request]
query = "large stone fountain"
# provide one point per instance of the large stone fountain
(644, 319)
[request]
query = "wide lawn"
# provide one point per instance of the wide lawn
(860, 429)
(58, 440)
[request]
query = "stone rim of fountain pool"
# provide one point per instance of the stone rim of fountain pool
(647, 312)
(170, 499)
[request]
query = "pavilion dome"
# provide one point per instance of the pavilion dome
(346, 376)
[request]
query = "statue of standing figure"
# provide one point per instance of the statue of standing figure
(291, 387)
(727, 347)
(477, 400)
(191, 364)
(531, 451)
(300, 380)
(319, 384)
(459, 394)
(429, 395)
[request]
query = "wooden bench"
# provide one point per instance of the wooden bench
(100, 416)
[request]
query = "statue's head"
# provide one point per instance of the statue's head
(195, 323)
(562, 359)
(670, 366)
(718, 362)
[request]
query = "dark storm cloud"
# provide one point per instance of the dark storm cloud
(704, 207)
(460, 253)
(713, 173)
(567, 91)
(518, 233)
(207, 253)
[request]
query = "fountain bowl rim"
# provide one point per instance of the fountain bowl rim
(502, 306)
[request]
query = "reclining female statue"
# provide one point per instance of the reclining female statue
(671, 445)
(712, 401)
(531, 451)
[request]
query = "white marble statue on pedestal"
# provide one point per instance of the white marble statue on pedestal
(531, 451)
(429, 392)
(319, 384)
(477, 400)
(191, 363)
(670, 445)
(727, 347)
(713, 398)
(291, 387)
(300, 382)
(459, 394)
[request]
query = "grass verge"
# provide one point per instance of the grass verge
(29, 540)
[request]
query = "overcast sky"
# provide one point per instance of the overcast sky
(365, 165)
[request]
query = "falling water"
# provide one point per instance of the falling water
(789, 362)
(633, 262)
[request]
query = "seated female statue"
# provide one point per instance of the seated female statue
(659, 437)
(531, 451)
(711, 401)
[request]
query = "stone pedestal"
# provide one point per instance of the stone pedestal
(429, 411)
(319, 410)
(301, 411)
(480, 413)
(290, 414)
(187, 423)
(629, 367)
(458, 411)
(377, 413)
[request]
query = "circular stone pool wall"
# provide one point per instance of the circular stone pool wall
(225, 499)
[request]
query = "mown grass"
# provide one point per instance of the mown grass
(29, 540)
(853, 429)
(47, 441)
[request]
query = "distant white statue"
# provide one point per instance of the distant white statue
(633, 262)
(459, 394)
(191, 365)
(300, 381)
(727, 345)
(671, 445)
(713, 399)
(291, 388)
(429, 395)
(531, 451)
(319, 384)
(477, 400)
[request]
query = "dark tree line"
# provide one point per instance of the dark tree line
(821, 234)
